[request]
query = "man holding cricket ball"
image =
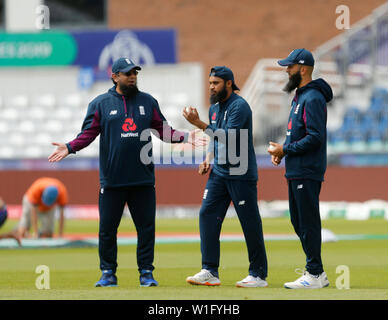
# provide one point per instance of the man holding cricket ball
(305, 154)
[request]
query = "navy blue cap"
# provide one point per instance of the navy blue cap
(50, 195)
(223, 73)
(124, 65)
(298, 56)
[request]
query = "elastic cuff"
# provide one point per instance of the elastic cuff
(69, 148)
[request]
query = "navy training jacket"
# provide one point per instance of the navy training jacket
(224, 117)
(305, 147)
(122, 124)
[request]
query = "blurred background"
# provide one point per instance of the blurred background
(56, 56)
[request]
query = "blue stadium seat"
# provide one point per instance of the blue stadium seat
(337, 140)
(357, 140)
(368, 122)
(375, 140)
(379, 94)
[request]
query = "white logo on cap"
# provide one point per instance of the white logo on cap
(128, 61)
(301, 61)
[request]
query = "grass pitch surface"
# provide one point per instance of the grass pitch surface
(73, 271)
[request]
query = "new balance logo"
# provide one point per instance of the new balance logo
(113, 112)
(205, 193)
(241, 203)
(300, 186)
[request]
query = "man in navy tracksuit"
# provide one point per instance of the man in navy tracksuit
(305, 155)
(232, 179)
(123, 118)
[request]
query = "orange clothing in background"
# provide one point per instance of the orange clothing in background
(34, 193)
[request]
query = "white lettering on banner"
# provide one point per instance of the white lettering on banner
(25, 50)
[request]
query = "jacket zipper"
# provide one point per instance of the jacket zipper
(125, 106)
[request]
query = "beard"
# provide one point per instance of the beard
(219, 97)
(293, 82)
(128, 91)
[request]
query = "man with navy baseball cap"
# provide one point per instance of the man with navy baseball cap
(224, 73)
(298, 56)
(124, 65)
(229, 115)
(123, 117)
(305, 154)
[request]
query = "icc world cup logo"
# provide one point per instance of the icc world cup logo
(129, 125)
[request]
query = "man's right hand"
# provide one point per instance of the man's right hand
(60, 152)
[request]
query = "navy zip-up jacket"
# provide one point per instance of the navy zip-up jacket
(228, 117)
(305, 147)
(120, 122)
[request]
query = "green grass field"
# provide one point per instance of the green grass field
(73, 271)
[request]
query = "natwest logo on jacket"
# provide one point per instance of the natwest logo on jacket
(129, 125)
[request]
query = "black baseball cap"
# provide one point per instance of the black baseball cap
(223, 73)
(124, 65)
(298, 56)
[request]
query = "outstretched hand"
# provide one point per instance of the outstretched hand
(197, 139)
(60, 152)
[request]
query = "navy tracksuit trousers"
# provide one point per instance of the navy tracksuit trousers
(219, 192)
(142, 205)
(305, 217)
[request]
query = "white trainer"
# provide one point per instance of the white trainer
(251, 282)
(205, 278)
(308, 281)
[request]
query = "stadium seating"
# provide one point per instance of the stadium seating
(363, 131)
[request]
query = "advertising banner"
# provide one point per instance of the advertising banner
(87, 49)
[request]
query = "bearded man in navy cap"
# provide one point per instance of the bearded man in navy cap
(230, 129)
(305, 160)
(123, 117)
